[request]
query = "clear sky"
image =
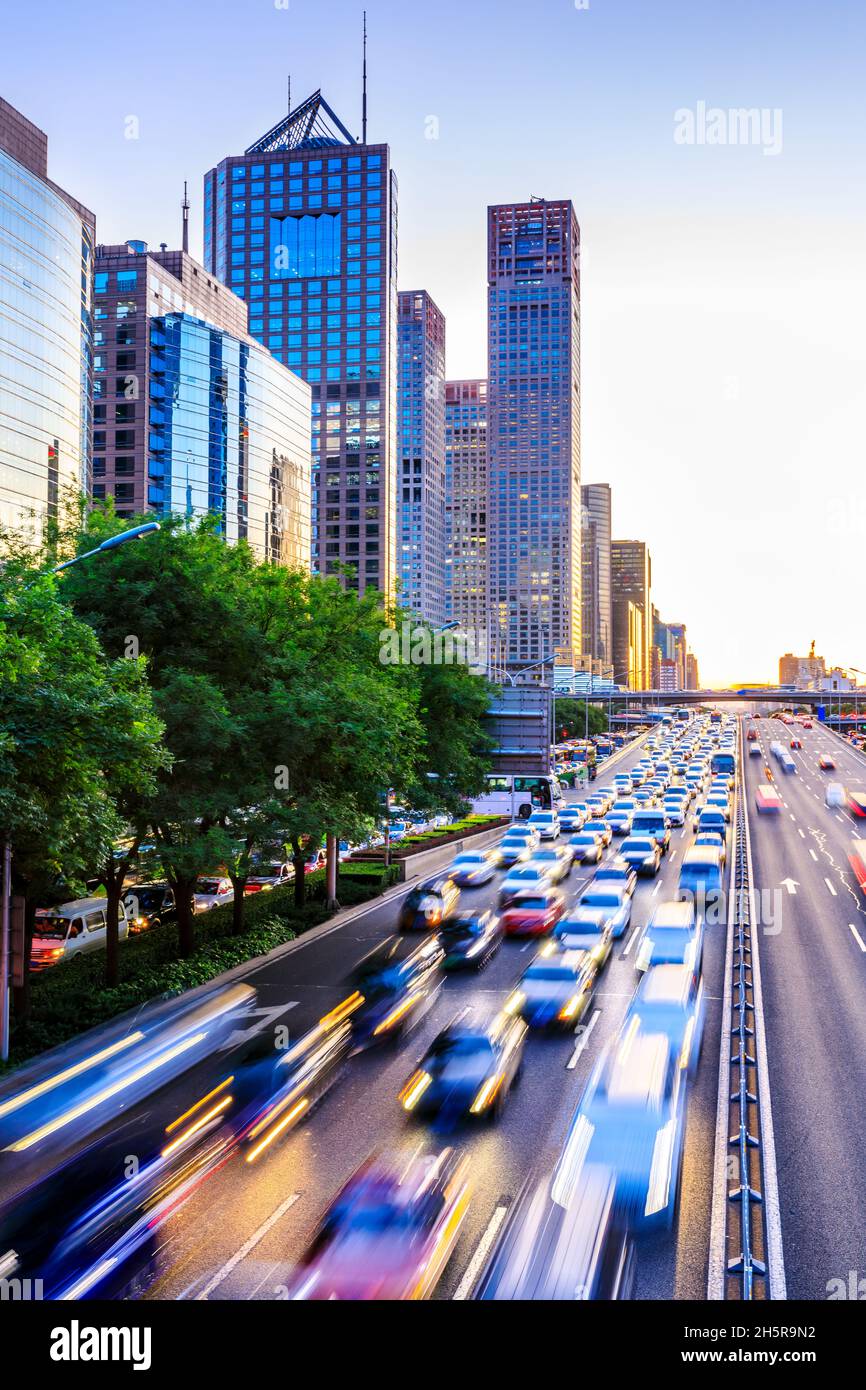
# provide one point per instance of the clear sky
(723, 352)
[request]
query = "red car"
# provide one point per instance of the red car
(533, 912)
(795, 743)
(857, 803)
(826, 763)
(752, 735)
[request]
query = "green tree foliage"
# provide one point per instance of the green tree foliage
(571, 719)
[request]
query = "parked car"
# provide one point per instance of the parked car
(148, 905)
(212, 892)
(268, 876)
(70, 930)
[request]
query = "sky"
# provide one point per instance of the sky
(723, 284)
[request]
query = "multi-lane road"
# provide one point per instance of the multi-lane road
(239, 1236)
(813, 971)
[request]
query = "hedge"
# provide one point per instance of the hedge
(68, 999)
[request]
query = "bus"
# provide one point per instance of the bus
(519, 795)
(684, 715)
(767, 799)
(857, 860)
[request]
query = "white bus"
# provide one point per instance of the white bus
(519, 796)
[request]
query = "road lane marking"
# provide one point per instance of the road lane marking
(655, 890)
(857, 937)
(814, 855)
(248, 1245)
(582, 1041)
(473, 1269)
(633, 933)
(830, 886)
(801, 833)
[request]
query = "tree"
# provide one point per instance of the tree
(571, 719)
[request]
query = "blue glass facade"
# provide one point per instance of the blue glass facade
(46, 251)
(421, 452)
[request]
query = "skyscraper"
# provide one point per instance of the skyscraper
(534, 511)
(303, 226)
(192, 415)
(631, 577)
(421, 454)
(466, 503)
(46, 281)
(597, 615)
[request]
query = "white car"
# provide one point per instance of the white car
(472, 867)
(212, 892)
(546, 823)
(675, 812)
(522, 877)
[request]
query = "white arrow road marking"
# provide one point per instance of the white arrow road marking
(791, 885)
(582, 1041)
(467, 1283)
(264, 1016)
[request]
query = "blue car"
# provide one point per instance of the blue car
(630, 1119)
(602, 906)
(670, 1000)
(556, 990)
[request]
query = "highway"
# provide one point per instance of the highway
(813, 969)
(240, 1234)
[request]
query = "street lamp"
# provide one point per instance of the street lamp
(5, 847)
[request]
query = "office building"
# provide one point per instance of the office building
(421, 455)
(597, 622)
(303, 226)
(692, 678)
(466, 504)
(191, 414)
(46, 277)
(801, 671)
(631, 579)
(534, 510)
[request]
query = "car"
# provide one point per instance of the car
(521, 829)
(212, 892)
(556, 989)
(468, 1069)
(549, 1252)
(826, 763)
(559, 860)
(721, 800)
(426, 907)
(618, 822)
(511, 850)
(392, 989)
(523, 876)
(643, 853)
(700, 878)
(472, 868)
(670, 1000)
(148, 905)
(630, 1120)
(857, 803)
(546, 823)
(835, 795)
(601, 828)
(710, 818)
(675, 812)
(755, 750)
(795, 743)
(470, 939)
(616, 873)
(672, 936)
(268, 876)
(297, 1078)
(533, 912)
(319, 858)
(571, 818)
(390, 1232)
(714, 840)
(655, 822)
(588, 847)
(606, 904)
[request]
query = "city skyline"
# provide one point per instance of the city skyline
(698, 336)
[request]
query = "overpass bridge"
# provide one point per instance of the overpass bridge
(770, 694)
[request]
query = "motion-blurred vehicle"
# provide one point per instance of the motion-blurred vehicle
(644, 855)
(795, 743)
(472, 868)
(835, 795)
(605, 904)
(594, 936)
(533, 912)
(826, 763)
(710, 818)
(768, 800)
(857, 860)
(711, 839)
(390, 1232)
(653, 821)
(546, 823)
(588, 847)
(296, 1080)
(72, 929)
(511, 850)
(212, 892)
(468, 1070)
(675, 812)
(571, 818)
(857, 803)
(616, 873)
(618, 820)
(601, 828)
(631, 1120)
(428, 905)
(672, 936)
(700, 878)
(470, 939)
(550, 1251)
(556, 988)
(559, 860)
(530, 876)
(148, 905)
(755, 750)
(394, 987)
(670, 1000)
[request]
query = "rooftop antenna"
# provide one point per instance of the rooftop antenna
(185, 207)
(364, 88)
(290, 93)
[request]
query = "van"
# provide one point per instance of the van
(62, 933)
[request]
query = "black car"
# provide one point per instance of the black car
(468, 1070)
(426, 906)
(393, 987)
(470, 939)
(148, 905)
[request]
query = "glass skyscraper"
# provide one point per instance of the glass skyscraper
(421, 454)
(597, 615)
(303, 226)
(631, 581)
(534, 513)
(466, 503)
(46, 254)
